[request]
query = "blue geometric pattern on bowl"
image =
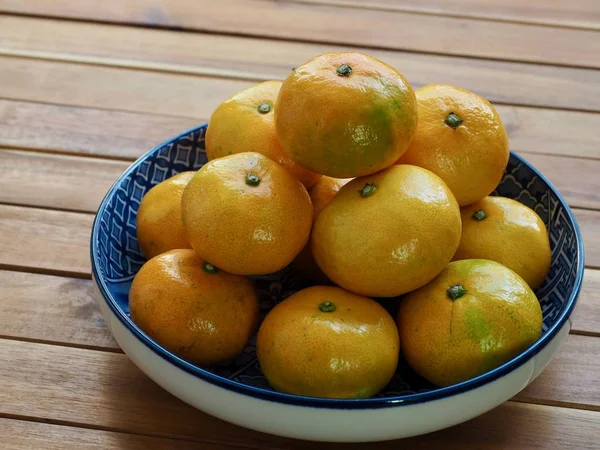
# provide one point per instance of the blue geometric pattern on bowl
(119, 256)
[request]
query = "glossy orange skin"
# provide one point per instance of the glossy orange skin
(202, 317)
(393, 241)
(471, 159)
(448, 341)
(244, 229)
(238, 126)
(351, 352)
(320, 194)
(511, 234)
(159, 226)
(345, 126)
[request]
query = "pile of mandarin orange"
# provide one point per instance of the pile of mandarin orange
(379, 194)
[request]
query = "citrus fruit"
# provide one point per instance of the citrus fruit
(245, 123)
(461, 138)
(386, 234)
(246, 214)
(320, 194)
(323, 191)
(345, 115)
(326, 342)
(159, 226)
(193, 309)
(473, 317)
(506, 231)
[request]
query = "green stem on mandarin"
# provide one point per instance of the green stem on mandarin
(264, 108)
(479, 215)
(327, 307)
(252, 180)
(344, 70)
(453, 121)
(369, 189)
(209, 268)
(455, 292)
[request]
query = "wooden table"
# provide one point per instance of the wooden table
(87, 86)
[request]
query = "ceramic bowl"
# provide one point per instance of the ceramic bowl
(237, 391)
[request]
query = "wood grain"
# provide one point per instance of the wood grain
(578, 13)
(126, 135)
(62, 310)
(45, 241)
(51, 309)
(546, 131)
(57, 181)
(573, 377)
(586, 317)
(114, 88)
(84, 131)
(296, 21)
(549, 428)
(228, 56)
(27, 435)
(589, 224)
(106, 390)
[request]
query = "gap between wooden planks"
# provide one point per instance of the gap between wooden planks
(228, 56)
(363, 27)
(576, 14)
(106, 390)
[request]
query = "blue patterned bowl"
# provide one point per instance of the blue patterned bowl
(238, 392)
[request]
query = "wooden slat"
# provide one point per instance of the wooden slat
(206, 54)
(340, 25)
(586, 318)
(564, 133)
(589, 223)
(578, 13)
(56, 181)
(573, 377)
(106, 390)
(114, 88)
(45, 241)
(51, 309)
(507, 432)
(27, 435)
(117, 134)
(76, 183)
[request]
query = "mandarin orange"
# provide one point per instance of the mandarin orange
(345, 115)
(474, 316)
(460, 137)
(246, 214)
(327, 342)
(193, 309)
